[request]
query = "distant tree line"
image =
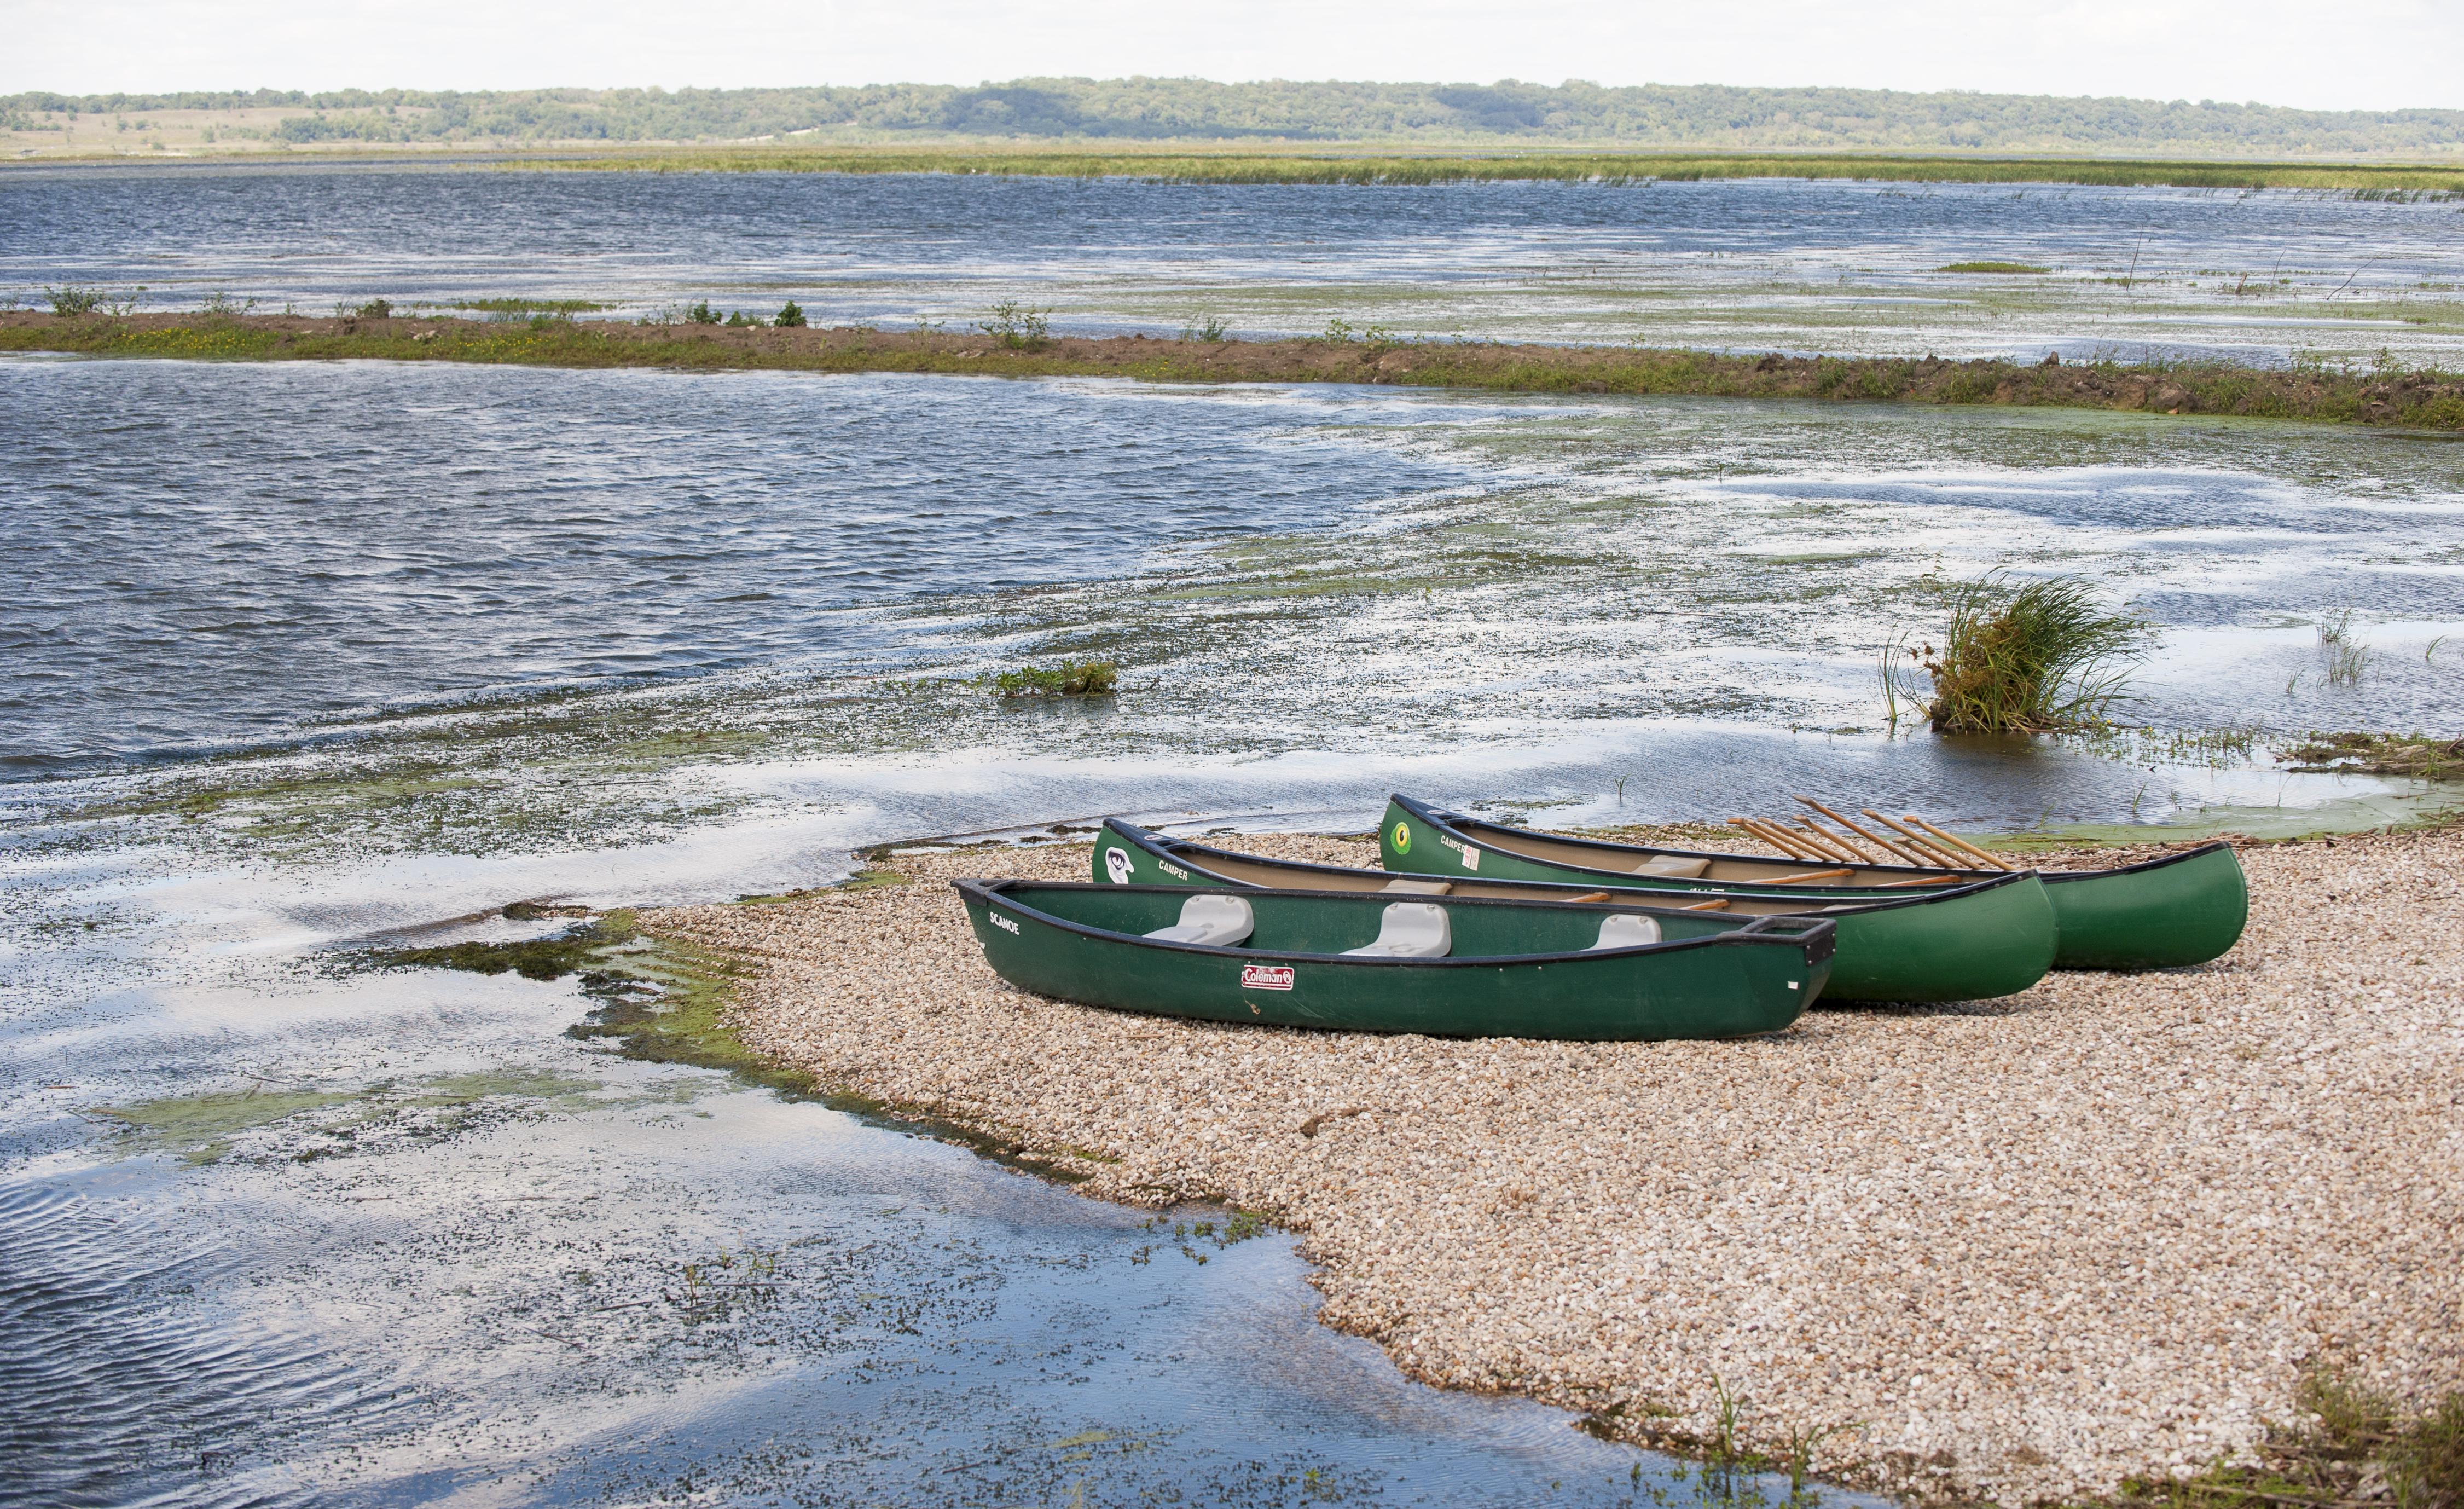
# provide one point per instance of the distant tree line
(1197, 110)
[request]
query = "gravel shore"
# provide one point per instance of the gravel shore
(2011, 1250)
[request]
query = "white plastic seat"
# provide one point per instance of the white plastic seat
(1217, 921)
(1626, 930)
(1404, 887)
(1410, 930)
(1673, 867)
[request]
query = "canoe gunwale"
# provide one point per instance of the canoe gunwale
(1449, 821)
(1842, 898)
(1812, 935)
(2062, 876)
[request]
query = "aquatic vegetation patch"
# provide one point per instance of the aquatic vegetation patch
(1068, 679)
(2421, 757)
(1991, 267)
(2035, 658)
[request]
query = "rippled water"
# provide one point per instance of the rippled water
(1751, 265)
(305, 656)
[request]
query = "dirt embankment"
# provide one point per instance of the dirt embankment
(2429, 400)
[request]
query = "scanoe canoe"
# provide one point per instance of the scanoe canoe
(1990, 937)
(2179, 909)
(1313, 959)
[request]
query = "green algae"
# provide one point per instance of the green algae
(205, 1129)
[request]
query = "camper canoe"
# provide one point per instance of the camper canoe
(2180, 909)
(1965, 943)
(1372, 962)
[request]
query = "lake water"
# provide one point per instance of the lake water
(1767, 264)
(304, 658)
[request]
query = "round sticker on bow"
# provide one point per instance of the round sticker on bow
(1402, 838)
(1117, 864)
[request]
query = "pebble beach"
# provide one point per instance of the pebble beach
(2012, 1250)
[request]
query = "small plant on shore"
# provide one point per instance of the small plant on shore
(1206, 330)
(791, 317)
(1068, 679)
(2355, 1447)
(738, 319)
(371, 309)
(1993, 267)
(702, 314)
(2039, 659)
(223, 306)
(1021, 327)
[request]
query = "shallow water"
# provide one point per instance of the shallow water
(1752, 265)
(304, 658)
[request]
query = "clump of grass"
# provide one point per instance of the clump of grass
(1993, 267)
(225, 305)
(1206, 330)
(2038, 658)
(2348, 657)
(702, 314)
(2356, 1447)
(370, 309)
(1021, 327)
(738, 319)
(73, 298)
(1068, 679)
(790, 318)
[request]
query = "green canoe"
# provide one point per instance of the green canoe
(2182, 909)
(1964, 943)
(1373, 964)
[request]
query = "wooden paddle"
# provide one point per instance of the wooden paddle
(1960, 843)
(1876, 839)
(1945, 858)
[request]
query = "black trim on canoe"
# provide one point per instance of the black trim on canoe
(1813, 933)
(1447, 820)
(1827, 902)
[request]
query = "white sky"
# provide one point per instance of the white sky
(2353, 54)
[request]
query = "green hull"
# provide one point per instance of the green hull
(1992, 937)
(2183, 909)
(1972, 942)
(1519, 969)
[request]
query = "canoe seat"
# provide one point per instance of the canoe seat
(1418, 887)
(1673, 867)
(1410, 930)
(1626, 930)
(1219, 921)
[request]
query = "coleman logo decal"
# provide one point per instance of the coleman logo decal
(1265, 977)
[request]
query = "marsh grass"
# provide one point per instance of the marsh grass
(2038, 658)
(1207, 329)
(524, 306)
(1993, 267)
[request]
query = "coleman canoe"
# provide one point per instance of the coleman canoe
(1377, 964)
(2181, 909)
(1965, 943)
